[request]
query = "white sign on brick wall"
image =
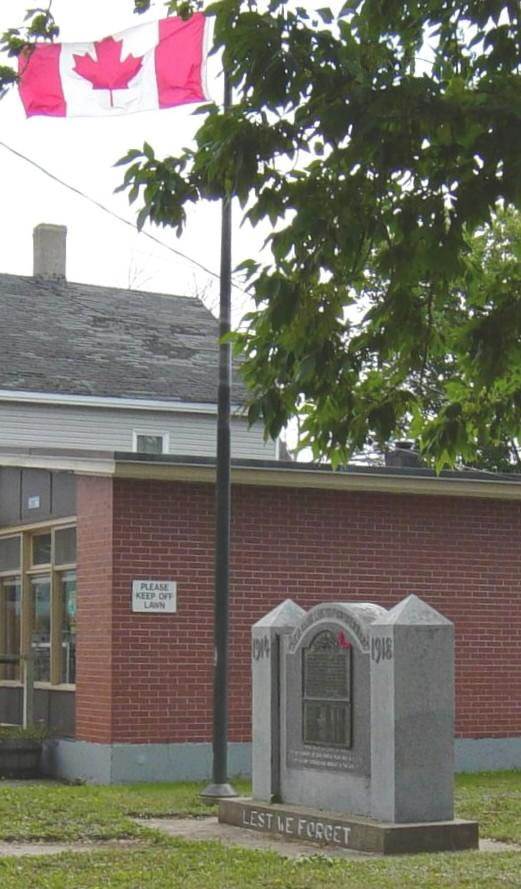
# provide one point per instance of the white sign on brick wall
(154, 596)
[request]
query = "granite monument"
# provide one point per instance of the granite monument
(353, 728)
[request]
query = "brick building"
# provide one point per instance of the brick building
(141, 704)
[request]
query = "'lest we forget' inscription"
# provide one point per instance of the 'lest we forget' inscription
(302, 827)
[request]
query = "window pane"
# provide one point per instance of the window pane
(149, 444)
(65, 546)
(68, 593)
(10, 554)
(41, 643)
(10, 625)
(42, 549)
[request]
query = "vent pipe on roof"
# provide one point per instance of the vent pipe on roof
(403, 454)
(50, 251)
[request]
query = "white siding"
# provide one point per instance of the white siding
(51, 426)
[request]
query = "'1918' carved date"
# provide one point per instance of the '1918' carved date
(381, 649)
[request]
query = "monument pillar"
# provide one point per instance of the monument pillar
(266, 634)
(412, 714)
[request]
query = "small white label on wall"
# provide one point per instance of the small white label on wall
(154, 596)
(33, 503)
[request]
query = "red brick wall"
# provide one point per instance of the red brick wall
(461, 556)
(162, 665)
(94, 653)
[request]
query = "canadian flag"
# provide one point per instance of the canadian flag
(156, 65)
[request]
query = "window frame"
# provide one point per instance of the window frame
(27, 571)
(12, 571)
(153, 433)
(13, 579)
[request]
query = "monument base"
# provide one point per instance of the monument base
(344, 831)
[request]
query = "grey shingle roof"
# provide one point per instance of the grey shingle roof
(80, 339)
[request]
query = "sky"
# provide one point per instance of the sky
(82, 151)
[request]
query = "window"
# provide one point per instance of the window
(150, 442)
(65, 546)
(10, 554)
(9, 625)
(10, 598)
(38, 603)
(41, 554)
(68, 624)
(41, 635)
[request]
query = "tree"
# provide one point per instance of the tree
(481, 365)
(377, 142)
(463, 332)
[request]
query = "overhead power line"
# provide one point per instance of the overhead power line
(105, 209)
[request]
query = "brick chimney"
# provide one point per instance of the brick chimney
(403, 454)
(50, 250)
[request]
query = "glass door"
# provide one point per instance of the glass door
(41, 638)
(68, 592)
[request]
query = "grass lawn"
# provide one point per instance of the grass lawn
(493, 799)
(55, 812)
(67, 813)
(186, 865)
(62, 812)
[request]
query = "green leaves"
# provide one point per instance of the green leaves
(39, 25)
(381, 146)
(406, 167)
(160, 186)
(7, 77)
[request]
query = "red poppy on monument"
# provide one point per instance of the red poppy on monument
(342, 640)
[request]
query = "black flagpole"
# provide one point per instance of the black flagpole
(220, 786)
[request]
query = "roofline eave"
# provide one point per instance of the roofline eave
(267, 473)
(24, 396)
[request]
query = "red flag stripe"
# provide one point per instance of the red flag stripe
(179, 61)
(40, 85)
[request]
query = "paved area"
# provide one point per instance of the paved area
(210, 829)
(497, 846)
(18, 850)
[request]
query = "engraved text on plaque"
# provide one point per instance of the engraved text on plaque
(326, 687)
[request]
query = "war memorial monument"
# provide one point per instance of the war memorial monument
(353, 729)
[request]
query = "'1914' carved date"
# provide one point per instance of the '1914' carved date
(260, 648)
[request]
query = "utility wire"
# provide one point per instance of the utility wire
(110, 212)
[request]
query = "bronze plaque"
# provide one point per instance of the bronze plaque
(326, 687)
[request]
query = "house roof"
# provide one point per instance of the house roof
(81, 339)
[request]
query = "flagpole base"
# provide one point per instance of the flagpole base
(214, 792)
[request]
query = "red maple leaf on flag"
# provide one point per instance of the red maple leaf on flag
(108, 71)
